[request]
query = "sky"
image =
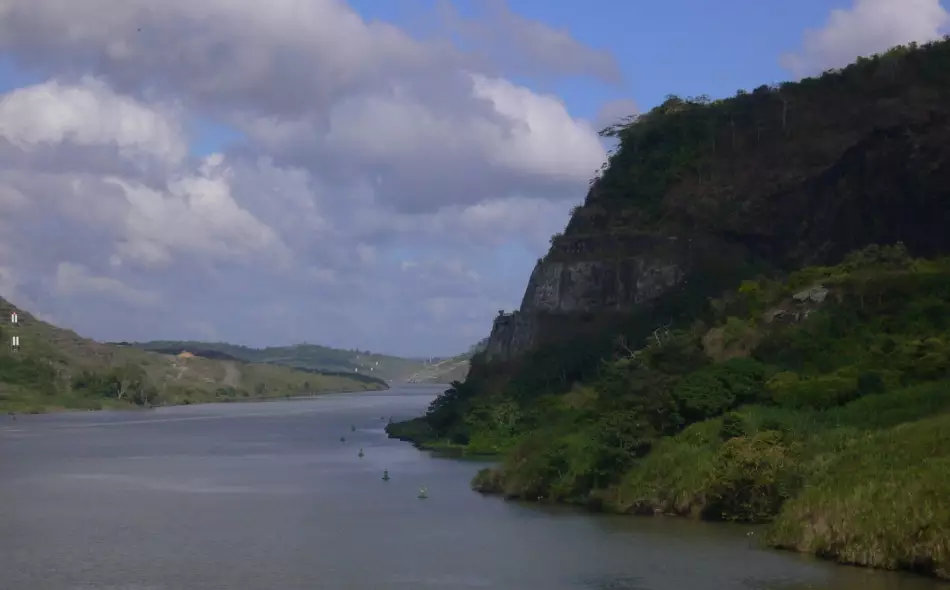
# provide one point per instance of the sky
(372, 174)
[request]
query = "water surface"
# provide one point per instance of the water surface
(264, 496)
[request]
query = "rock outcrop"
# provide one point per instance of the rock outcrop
(564, 286)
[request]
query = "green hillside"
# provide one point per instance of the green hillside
(301, 356)
(58, 369)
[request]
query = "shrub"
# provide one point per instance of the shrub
(733, 426)
(753, 477)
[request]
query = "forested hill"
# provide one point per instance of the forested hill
(300, 356)
(56, 368)
(748, 318)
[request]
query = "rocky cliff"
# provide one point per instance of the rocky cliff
(591, 279)
(782, 177)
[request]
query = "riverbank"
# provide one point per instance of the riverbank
(860, 485)
(818, 403)
(57, 403)
(56, 369)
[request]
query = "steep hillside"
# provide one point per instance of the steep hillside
(300, 356)
(745, 320)
(701, 194)
(57, 368)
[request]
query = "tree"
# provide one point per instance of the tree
(128, 382)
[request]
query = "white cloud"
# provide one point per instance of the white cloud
(379, 176)
(869, 27)
(194, 215)
(190, 211)
(541, 137)
(88, 114)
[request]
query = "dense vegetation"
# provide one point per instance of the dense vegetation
(301, 356)
(789, 170)
(814, 394)
(57, 369)
(821, 402)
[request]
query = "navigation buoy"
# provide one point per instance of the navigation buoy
(361, 454)
(423, 493)
(352, 428)
(342, 439)
(386, 475)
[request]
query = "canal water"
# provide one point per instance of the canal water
(265, 496)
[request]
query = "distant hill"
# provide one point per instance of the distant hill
(300, 356)
(57, 369)
(450, 369)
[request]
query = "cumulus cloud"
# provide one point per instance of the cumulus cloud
(869, 27)
(191, 211)
(88, 114)
(380, 177)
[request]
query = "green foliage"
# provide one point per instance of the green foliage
(820, 392)
(710, 391)
(127, 383)
(882, 501)
(751, 479)
(733, 426)
(26, 371)
(666, 428)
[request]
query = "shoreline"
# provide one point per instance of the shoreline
(114, 406)
(488, 481)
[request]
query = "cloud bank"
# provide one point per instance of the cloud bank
(380, 182)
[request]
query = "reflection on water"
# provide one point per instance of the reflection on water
(266, 496)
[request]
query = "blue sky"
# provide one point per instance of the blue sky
(382, 187)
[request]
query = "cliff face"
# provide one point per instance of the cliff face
(561, 290)
(789, 176)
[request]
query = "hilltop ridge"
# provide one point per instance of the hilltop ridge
(299, 356)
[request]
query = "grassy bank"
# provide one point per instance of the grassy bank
(818, 403)
(112, 389)
(56, 369)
